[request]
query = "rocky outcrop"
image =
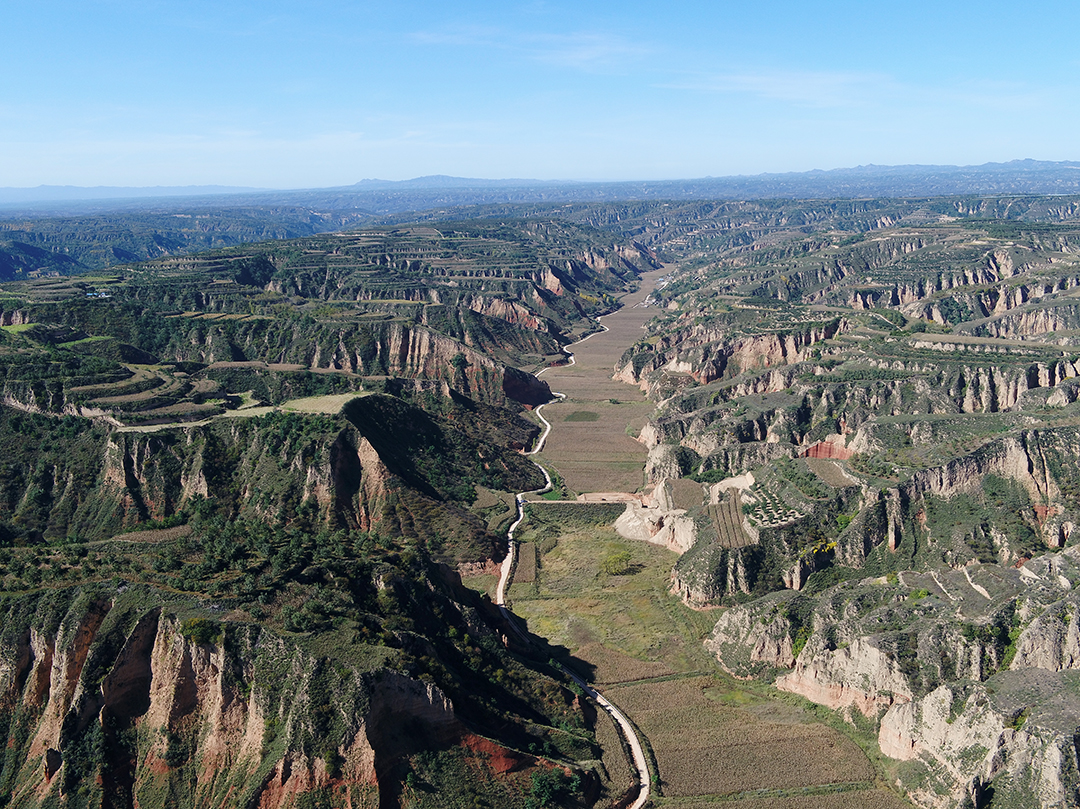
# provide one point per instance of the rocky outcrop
(1030, 321)
(966, 672)
(961, 304)
(229, 718)
(709, 353)
(15, 317)
(966, 743)
(745, 645)
(668, 527)
(708, 572)
(861, 675)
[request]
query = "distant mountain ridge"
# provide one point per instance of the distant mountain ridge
(57, 193)
(446, 181)
(394, 196)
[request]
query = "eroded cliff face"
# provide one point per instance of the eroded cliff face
(701, 421)
(970, 674)
(707, 353)
(329, 471)
(123, 702)
(468, 363)
(1011, 750)
(886, 523)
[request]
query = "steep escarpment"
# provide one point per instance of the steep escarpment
(707, 353)
(385, 464)
(1006, 502)
(475, 359)
(130, 696)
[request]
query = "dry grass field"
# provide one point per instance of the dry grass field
(611, 666)
(705, 747)
(330, 405)
(525, 570)
(830, 471)
(848, 799)
(686, 493)
(482, 583)
(155, 535)
(575, 605)
(327, 405)
(714, 740)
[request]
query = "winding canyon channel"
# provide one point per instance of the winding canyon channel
(693, 737)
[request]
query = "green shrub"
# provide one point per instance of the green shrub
(201, 630)
(617, 563)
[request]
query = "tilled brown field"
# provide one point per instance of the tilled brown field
(704, 747)
(727, 519)
(861, 799)
(597, 454)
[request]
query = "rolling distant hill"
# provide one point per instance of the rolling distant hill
(420, 193)
(65, 193)
(58, 233)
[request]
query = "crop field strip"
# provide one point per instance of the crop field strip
(704, 747)
(600, 456)
(830, 796)
(727, 519)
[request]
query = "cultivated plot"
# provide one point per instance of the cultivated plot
(590, 444)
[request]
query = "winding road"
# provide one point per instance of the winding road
(626, 730)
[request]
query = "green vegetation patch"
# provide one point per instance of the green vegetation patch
(583, 415)
(574, 514)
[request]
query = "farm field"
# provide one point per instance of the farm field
(832, 799)
(331, 404)
(713, 741)
(727, 519)
(589, 444)
(706, 747)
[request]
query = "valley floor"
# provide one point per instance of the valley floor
(711, 738)
(590, 444)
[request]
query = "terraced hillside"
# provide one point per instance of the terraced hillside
(32, 245)
(889, 414)
(237, 494)
(186, 339)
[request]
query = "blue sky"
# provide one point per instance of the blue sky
(286, 94)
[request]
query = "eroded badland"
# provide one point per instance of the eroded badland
(811, 528)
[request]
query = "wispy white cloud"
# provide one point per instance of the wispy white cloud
(579, 50)
(805, 88)
(858, 90)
